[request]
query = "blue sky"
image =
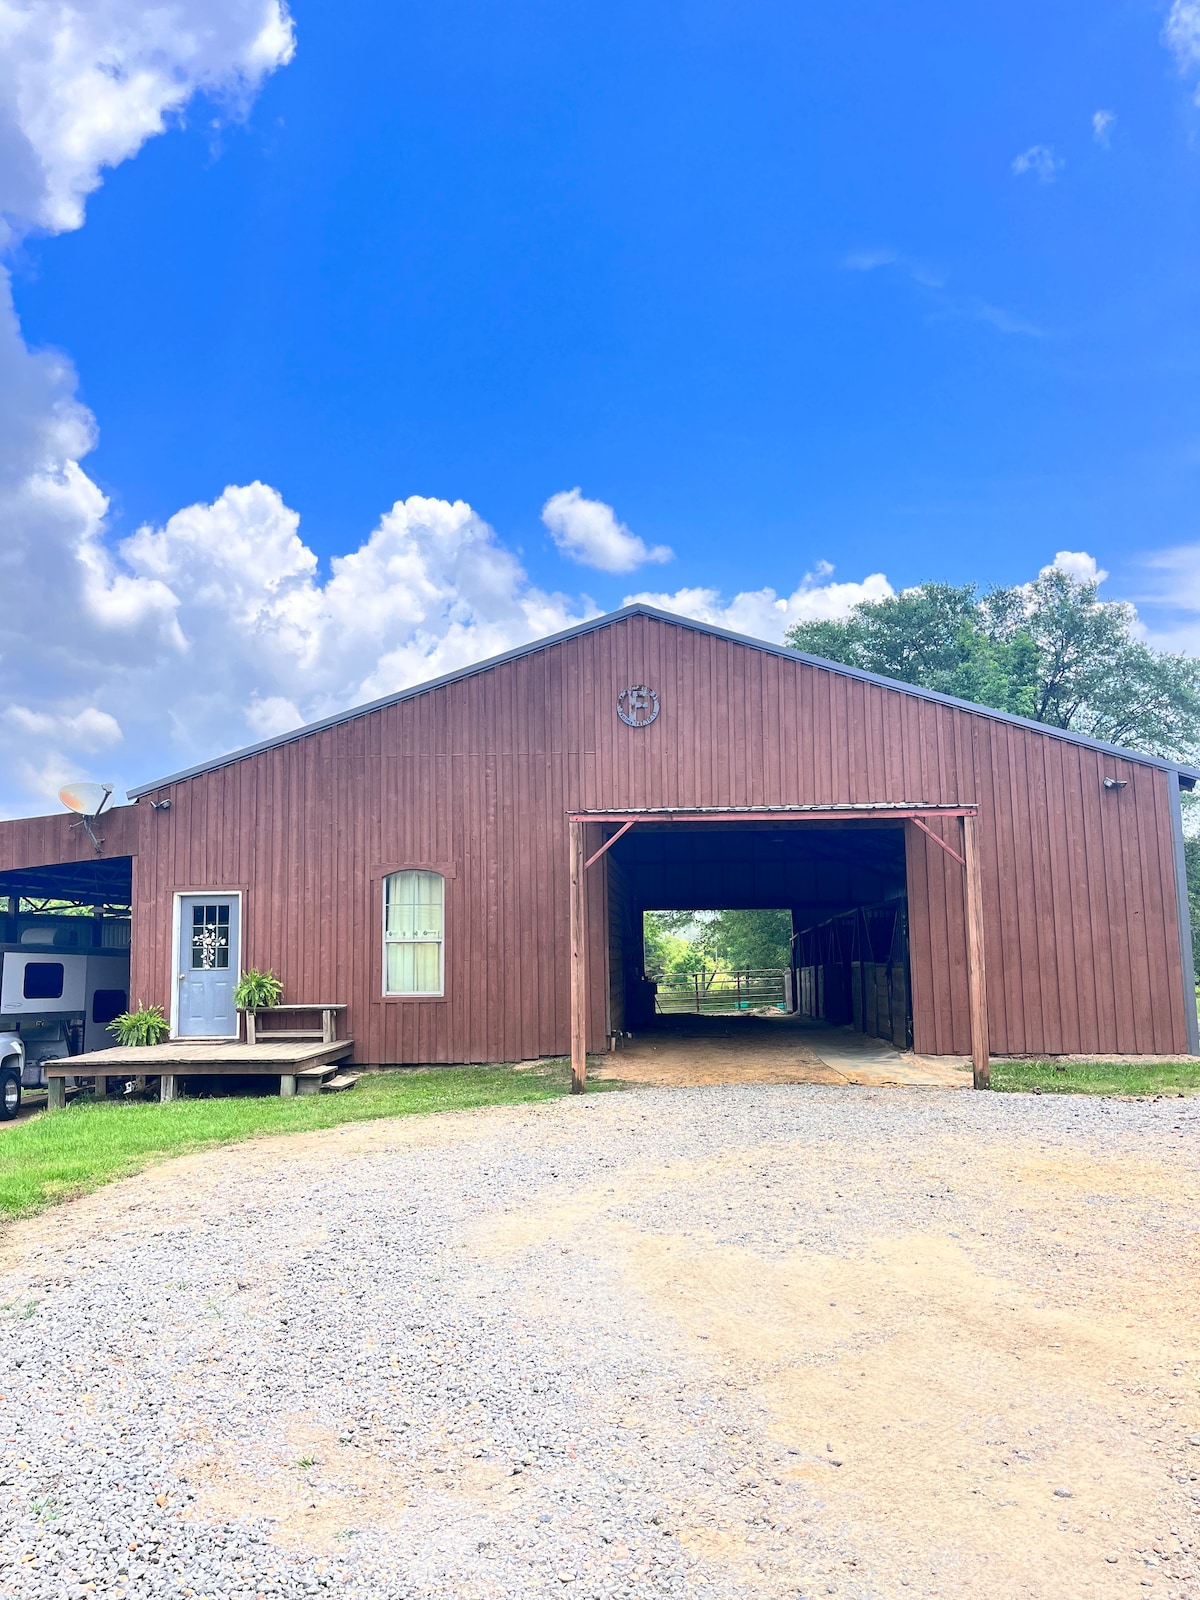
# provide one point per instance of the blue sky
(781, 285)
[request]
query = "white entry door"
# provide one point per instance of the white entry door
(209, 963)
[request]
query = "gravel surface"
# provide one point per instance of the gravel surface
(769, 1341)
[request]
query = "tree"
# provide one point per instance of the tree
(1191, 853)
(1051, 650)
(756, 940)
(689, 941)
(667, 950)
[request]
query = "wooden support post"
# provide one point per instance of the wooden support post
(578, 962)
(287, 1085)
(101, 1089)
(167, 1087)
(327, 1026)
(976, 973)
(251, 1027)
(56, 1093)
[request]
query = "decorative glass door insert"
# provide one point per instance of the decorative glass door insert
(210, 937)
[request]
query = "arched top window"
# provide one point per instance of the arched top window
(414, 915)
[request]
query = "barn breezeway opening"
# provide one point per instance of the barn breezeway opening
(822, 914)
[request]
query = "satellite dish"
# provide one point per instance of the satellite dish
(89, 799)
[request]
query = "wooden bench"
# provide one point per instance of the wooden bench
(326, 1032)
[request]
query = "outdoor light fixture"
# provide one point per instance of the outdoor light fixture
(160, 805)
(1116, 783)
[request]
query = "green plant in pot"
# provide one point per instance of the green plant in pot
(257, 991)
(143, 1026)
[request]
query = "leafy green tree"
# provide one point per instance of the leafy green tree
(1051, 650)
(1191, 851)
(689, 941)
(668, 951)
(751, 939)
(934, 636)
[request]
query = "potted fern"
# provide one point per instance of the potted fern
(144, 1025)
(256, 991)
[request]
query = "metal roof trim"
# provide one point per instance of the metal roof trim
(1188, 775)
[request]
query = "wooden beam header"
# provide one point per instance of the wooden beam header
(900, 812)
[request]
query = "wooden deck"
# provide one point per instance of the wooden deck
(299, 1063)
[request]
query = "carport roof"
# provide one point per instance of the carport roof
(1188, 776)
(108, 881)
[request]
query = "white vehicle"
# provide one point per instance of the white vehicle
(55, 1002)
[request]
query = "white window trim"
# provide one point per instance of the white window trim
(413, 994)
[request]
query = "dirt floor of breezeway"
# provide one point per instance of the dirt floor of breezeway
(680, 1051)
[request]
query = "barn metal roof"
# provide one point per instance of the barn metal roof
(1188, 776)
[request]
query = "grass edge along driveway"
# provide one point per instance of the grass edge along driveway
(1096, 1077)
(56, 1156)
(61, 1154)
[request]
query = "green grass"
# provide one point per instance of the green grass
(63, 1153)
(1095, 1077)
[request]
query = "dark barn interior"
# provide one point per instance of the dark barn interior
(843, 882)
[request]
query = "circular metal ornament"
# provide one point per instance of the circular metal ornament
(637, 706)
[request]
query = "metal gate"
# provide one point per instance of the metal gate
(714, 992)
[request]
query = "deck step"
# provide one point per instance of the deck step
(344, 1080)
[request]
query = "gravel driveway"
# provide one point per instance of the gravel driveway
(716, 1342)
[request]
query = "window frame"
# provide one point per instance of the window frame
(383, 876)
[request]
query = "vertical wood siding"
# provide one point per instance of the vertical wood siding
(479, 775)
(45, 841)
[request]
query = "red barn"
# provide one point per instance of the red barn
(958, 879)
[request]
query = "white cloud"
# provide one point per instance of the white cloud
(1181, 33)
(945, 306)
(84, 83)
(89, 729)
(45, 749)
(588, 531)
(223, 632)
(996, 317)
(1076, 564)
(1170, 600)
(870, 260)
(43, 771)
(1178, 571)
(763, 613)
(876, 260)
(1040, 160)
(1102, 123)
(272, 714)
